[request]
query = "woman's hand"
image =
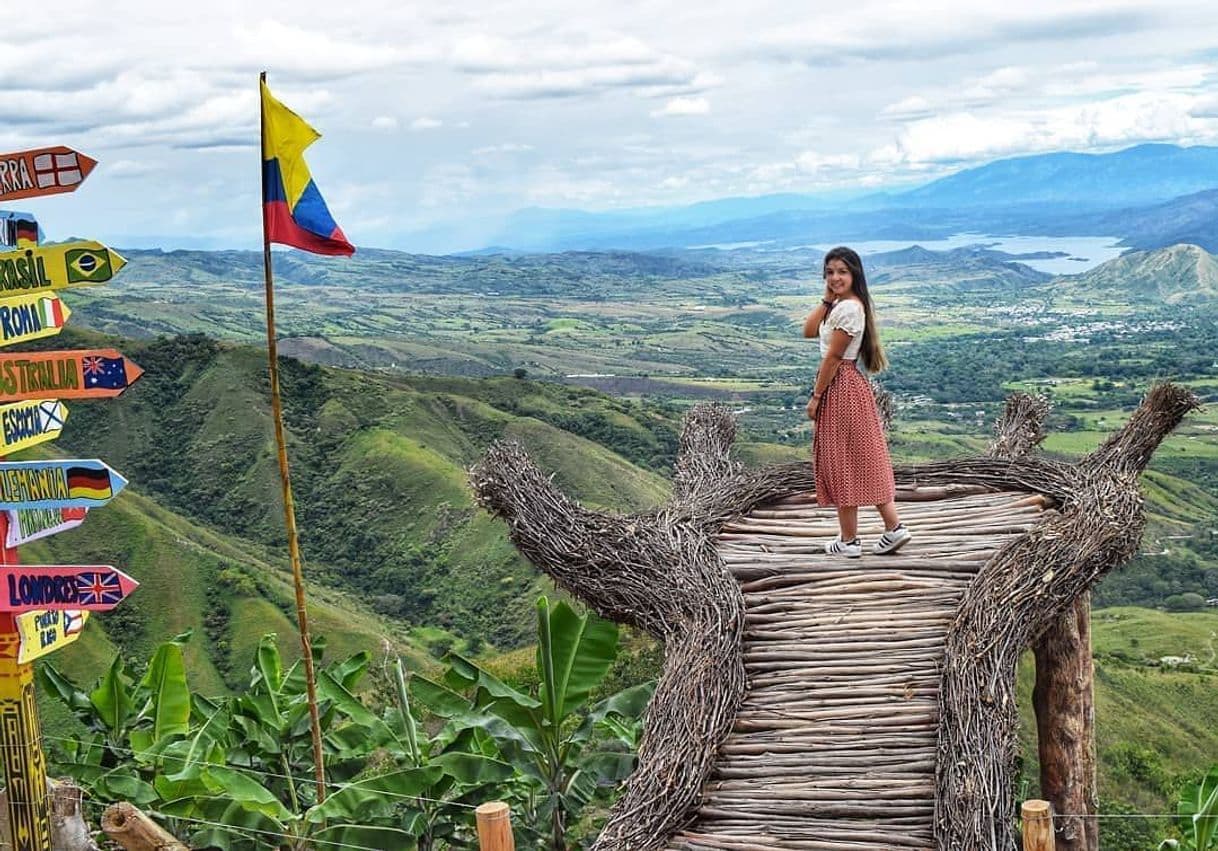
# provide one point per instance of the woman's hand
(828, 296)
(813, 407)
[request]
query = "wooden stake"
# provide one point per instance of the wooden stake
(289, 508)
(1037, 826)
(134, 831)
(495, 827)
(25, 765)
(1064, 700)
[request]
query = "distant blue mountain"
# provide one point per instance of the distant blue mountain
(1145, 174)
(1021, 195)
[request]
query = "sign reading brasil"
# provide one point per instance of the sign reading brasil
(92, 587)
(44, 632)
(57, 267)
(82, 374)
(57, 484)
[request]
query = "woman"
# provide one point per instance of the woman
(851, 456)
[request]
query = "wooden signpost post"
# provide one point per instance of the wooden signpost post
(84, 374)
(45, 607)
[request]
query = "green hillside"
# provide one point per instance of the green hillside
(378, 466)
(1177, 274)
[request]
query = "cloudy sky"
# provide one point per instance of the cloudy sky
(453, 115)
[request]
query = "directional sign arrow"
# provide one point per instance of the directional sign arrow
(44, 632)
(39, 268)
(81, 374)
(75, 483)
(31, 524)
(42, 171)
(92, 587)
(28, 423)
(31, 317)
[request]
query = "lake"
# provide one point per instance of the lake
(1083, 252)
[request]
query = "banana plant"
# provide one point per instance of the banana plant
(565, 752)
(1198, 816)
(131, 723)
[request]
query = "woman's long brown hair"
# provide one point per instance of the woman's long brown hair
(871, 353)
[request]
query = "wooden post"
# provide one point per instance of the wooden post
(134, 831)
(1064, 699)
(495, 827)
(1037, 826)
(25, 765)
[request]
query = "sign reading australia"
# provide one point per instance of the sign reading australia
(57, 484)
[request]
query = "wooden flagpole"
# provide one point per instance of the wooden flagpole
(289, 508)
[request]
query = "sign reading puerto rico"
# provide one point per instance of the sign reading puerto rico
(42, 171)
(25, 424)
(32, 524)
(57, 484)
(57, 267)
(96, 588)
(44, 632)
(31, 317)
(83, 374)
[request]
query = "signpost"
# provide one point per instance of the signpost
(43, 632)
(94, 588)
(32, 524)
(84, 374)
(31, 317)
(42, 171)
(29, 423)
(78, 483)
(57, 267)
(45, 607)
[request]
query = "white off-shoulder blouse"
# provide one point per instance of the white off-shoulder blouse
(847, 314)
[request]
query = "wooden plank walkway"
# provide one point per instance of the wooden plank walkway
(834, 747)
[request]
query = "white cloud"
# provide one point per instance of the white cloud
(385, 122)
(683, 106)
(425, 122)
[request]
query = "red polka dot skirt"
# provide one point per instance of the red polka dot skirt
(849, 451)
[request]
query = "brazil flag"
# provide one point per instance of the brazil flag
(88, 265)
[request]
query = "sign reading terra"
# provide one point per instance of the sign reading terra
(57, 267)
(77, 483)
(91, 587)
(44, 632)
(82, 374)
(42, 171)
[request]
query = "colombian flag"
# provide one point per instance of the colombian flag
(293, 211)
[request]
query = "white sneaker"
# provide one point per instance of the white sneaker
(849, 549)
(892, 540)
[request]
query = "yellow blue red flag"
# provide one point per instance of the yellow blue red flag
(293, 211)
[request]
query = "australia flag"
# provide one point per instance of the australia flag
(99, 588)
(104, 372)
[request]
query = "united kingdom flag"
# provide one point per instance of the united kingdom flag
(99, 588)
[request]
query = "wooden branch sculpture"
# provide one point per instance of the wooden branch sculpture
(660, 571)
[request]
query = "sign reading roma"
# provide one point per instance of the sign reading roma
(95, 588)
(76, 483)
(42, 171)
(83, 374)
(56, 267)
(31, 317)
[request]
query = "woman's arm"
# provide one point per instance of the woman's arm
(829, 365)
(816, 317)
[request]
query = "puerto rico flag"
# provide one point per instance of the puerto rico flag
(99, 588)
(293, 211)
